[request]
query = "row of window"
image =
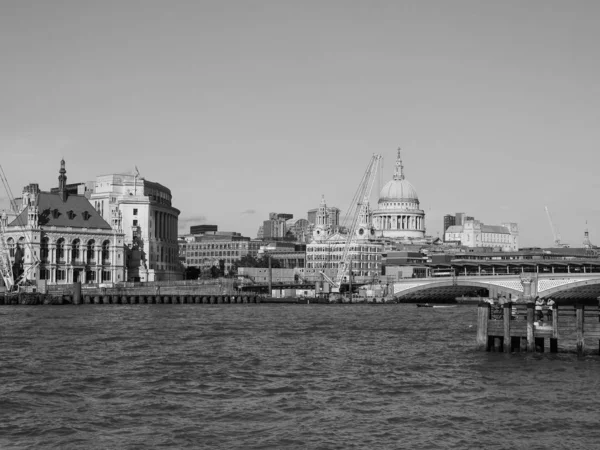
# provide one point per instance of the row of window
(363, 257)
(205, 246)
(215, 253)
(335, 266)
(61, 275)
(340, 248)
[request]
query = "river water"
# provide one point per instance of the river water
(281, 376)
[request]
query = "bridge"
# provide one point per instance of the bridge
(562, 287)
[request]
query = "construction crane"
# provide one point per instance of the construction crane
(6, 263)
(361, 198)
(555, 231)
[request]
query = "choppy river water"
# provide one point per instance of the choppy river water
(281, 376)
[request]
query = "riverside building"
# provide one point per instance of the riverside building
(58, 237)
(149, 223)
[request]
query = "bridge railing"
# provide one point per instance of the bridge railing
(511, 273)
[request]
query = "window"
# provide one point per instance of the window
(105, 275)
(91, 254)
(60, 249)
(44, 250)
(135, 222)
(61, 275)
(135, 211)
(76, 250)
(105, 252)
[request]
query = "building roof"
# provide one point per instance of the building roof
(76, 212)
(498, 229)
(398, 190)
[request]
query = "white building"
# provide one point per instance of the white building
(149, 222)
(326, 251)
(473, 233)
(398, 215)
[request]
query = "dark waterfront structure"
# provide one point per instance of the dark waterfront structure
(511, 328)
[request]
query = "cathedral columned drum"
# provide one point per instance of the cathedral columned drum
(398, 214)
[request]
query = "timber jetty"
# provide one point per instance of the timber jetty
(512, 327)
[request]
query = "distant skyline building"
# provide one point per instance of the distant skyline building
(449, 220)
(275, 227)
(209, 249)
(473, 234)
(201, 229)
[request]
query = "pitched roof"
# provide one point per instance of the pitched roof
(498, 229)
(76, 212)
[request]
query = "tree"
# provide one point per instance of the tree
(214, 272)
(263, 262)
(191, 273)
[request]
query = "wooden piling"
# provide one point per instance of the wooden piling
(483, 314)
(523, 344)
(580, 310)
(530, 338)
(77, 294)
(506, 310)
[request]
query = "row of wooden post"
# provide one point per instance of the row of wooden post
(483, 315)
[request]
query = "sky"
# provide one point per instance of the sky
(242, 108)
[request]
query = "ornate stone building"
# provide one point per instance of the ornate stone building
(149, 222)
(473, 233)
(59, 237)
(398, 215)
(326, 250)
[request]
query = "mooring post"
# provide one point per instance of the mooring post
(483, 314)
(506, 310)
(580, 309)
(77, 293)
(530, 339)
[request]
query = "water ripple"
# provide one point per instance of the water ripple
(281, 376)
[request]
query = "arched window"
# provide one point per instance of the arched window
(76, 250)
(60, 250)
(10, 242)
(91, 256)
(106, 252)
(20, 253)
(44, 249)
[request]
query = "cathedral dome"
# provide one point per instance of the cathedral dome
(398, 190)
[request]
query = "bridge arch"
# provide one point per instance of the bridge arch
(591, 289)
(454, 285)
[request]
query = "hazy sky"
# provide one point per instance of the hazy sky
(243, 108)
